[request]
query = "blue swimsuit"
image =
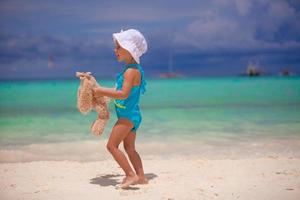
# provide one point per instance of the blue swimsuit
(129, 108)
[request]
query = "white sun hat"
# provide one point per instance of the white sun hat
(133, 41)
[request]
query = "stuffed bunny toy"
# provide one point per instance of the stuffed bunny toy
(86, 102)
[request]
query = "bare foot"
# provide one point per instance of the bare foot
(142, 180)
(129, 180)
(124, 179)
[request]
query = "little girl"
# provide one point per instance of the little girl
(129, 47)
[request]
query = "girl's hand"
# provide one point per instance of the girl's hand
(97, 92)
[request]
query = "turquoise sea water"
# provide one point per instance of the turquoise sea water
(208, 110)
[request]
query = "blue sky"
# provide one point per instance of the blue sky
(54, 39)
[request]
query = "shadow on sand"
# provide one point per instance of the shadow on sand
(114, 179)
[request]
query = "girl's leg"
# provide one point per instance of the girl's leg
(118, 134)
(129, 146)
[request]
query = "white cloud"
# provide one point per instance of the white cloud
(224, 29)
(243, 6)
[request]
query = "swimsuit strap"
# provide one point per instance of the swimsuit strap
(143, 82)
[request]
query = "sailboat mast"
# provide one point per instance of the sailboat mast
(170, 68)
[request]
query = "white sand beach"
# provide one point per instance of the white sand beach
(177, 177)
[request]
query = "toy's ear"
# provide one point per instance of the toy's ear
(84, 74)
(78, 74)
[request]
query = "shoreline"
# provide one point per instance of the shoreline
(95, 150)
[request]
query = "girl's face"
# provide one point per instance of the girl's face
(122, 54)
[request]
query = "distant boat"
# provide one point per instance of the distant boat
(285, 72)
(170, 73)
(253, 70)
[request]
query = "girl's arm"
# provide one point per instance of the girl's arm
(129, 76)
